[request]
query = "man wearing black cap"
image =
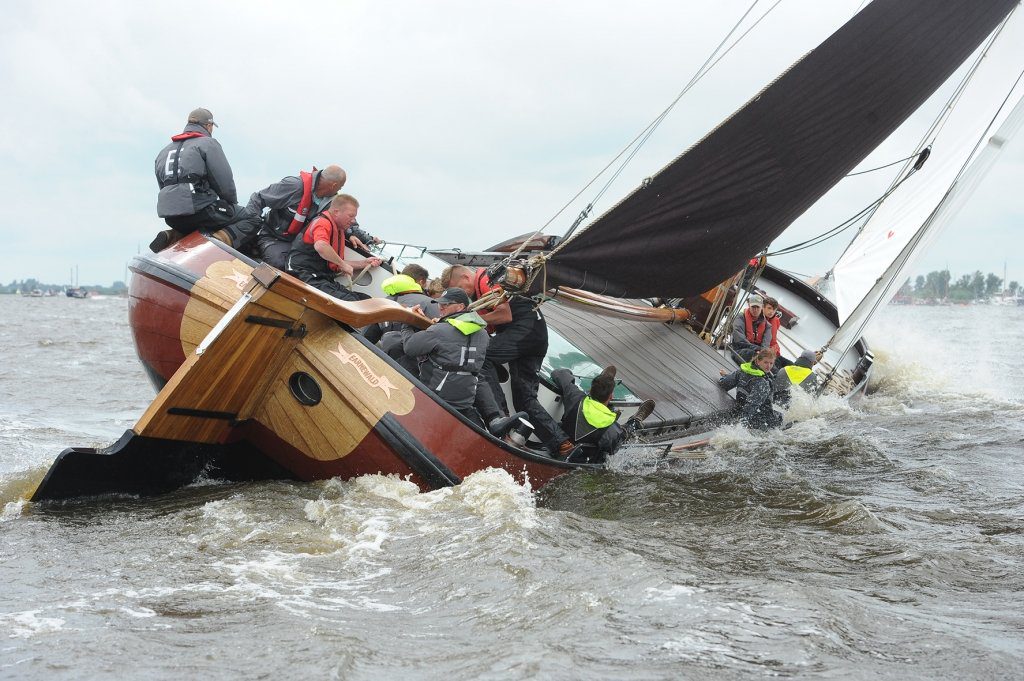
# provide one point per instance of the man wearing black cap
(197, 189)
(451, 352)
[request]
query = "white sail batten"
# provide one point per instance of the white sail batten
(961, 153)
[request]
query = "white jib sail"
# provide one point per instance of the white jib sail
(962, 151)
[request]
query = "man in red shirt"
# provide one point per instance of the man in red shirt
(318, 256)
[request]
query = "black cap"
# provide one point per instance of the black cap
(454, 295)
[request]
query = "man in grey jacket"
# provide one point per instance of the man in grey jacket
(197, 188)
(290, 204)
(451, 352)
(750, 330)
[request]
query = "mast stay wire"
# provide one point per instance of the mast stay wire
(653, 126)
(920, 234)
(933, 131)
(644, 134)
(927, 140)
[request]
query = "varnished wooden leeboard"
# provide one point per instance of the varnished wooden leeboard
(666, 363)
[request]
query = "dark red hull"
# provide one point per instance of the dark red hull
(177, 296)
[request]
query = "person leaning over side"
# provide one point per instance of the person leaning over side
(754, 389)
(276, 214)
(317, 257)
(800, 372)
(588, 420)
(750, 330)
(197, 188)
(451, 352)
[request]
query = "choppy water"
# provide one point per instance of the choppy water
(884, 541)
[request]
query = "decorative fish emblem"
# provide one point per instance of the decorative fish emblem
(373, 380)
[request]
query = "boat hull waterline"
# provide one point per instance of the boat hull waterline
(272, 382)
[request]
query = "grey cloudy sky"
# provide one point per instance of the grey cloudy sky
(460, 123)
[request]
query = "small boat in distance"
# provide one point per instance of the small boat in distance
(262, 376)
(75, 291)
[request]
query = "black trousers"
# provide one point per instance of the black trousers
(272, 250)
(330, 287)
(524, 381)
(215, 216)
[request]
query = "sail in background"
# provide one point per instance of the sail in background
(697, 222)
(984, 116)
(950, 204)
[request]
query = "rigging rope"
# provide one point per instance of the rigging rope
(637, 142)
(844, 225)
(920, 234)
(887, 165)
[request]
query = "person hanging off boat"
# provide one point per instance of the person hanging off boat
(593, 425)
(276, 214)
(755, 387)
(197, 188)
(451, 353)
(800, 372)
(317, 257)
(406, 290)
(751, 331)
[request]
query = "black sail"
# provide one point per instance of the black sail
(704, 215)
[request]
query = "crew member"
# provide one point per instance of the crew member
(279, 212)
(800, 372)
(452, 352)
(197, 189)
(318, 256)
(594, 433)
(754, 388)
(773, 315)
(750, 330)
(403, 289)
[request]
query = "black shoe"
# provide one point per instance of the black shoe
(162, 241)
(634, 421)
(499, 427)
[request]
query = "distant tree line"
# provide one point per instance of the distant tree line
(28, 285)
(939, 285)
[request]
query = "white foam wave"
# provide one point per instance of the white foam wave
(670, 593)
(13, 509)
(28, 623)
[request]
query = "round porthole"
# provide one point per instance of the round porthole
(305, 388)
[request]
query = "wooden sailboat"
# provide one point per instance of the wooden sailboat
(260, 375)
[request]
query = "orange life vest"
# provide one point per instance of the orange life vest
(754, 335)
(304, 203)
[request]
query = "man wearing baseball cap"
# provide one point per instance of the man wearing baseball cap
(197, 188)
(451, 353)
(750, 330)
